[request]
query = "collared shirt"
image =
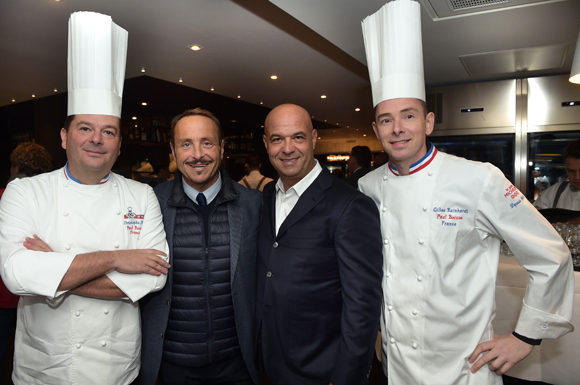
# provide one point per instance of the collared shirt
(286, 200)
(69, 176)
(210, 193)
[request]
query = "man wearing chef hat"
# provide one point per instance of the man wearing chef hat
(78, 318)
(442, 221)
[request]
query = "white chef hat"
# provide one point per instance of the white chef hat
(97, 55)
(394, 51)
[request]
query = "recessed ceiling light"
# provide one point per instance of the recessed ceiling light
(212, 89)
(239, 96)
(261, 102)
(142, 69)
(322, 96)
(33, 95)
(57, 1)
(364, 134)
(195, 47)
(181, 80)
(13, 100)
(273, 77)
(134, 118)
(144, 103)
(319, 137)
(337, 124)
(55, 90)
(357, 109)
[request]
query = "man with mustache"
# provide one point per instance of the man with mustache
(81, 244)
(199, 328)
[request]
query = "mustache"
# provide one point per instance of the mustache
(200, 161)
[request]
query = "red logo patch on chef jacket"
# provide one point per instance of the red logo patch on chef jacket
(516, 197)
(134, 222)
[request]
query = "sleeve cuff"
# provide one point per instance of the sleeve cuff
(529, 341)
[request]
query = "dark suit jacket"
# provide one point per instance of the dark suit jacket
(353, 179)
(319, 285)
(244, 215)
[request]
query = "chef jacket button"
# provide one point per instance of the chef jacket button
(269, 274)
(79, 345)
(392, 340)
(421, 241)
(103, 343)
(385, 209)
(420, 278)
(116, 245)
(430, 173)
(424, 208)
(275, 245)
(385, 177)
(386, 241)
(65, 213)
(415, 312)
(388, 274)
(415, 345)
(78, 313)
(118, 212)
(390, 307)
(67, 247)
(65, 185)
(168, 302)
(106, 311)
(114, 184)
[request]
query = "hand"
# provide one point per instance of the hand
(36, 244)
(503, 352)
(140, 261)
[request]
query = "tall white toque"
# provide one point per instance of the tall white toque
(394, 51)
(97, 56)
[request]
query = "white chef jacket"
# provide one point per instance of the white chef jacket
(63, 338)
(441, 229)
(570, 198)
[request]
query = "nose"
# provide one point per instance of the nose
(288, 147)
(97, 137)
(397, 127)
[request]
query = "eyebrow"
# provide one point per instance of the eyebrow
(82, 122)
(408, 109)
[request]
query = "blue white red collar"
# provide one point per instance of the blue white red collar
(420, 164)
(67, 175)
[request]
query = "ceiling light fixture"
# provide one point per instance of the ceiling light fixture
(33, 95)
(239, 96)
(134, 118)
(13, 100)
(195, 47)
(142, 69)
(575, 72)
(212, 89)
(181, 80)
(144, 103)
(322, 96)
(261, 102)
(273, 77)
(55, 90)
(357, 109)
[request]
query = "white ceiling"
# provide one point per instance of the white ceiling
(314, 46)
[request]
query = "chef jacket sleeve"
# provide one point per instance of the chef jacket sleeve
(152, 236)
(27, 272)
(358, 247)
(549, 300)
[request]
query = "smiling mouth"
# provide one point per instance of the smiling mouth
(289, 160)
(400, 142)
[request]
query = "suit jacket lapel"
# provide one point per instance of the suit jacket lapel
(236, 223)
(309, 199)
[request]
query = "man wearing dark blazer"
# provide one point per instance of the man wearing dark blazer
(319, 265)
(200, 328)
(359, 164)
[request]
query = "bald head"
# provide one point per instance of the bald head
(288, 114)
(290, 139)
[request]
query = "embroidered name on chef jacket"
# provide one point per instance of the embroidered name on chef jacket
(134, 222)
(516, 197)
(450, 216)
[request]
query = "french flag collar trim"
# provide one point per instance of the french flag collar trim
(420, 164)
(68, 176)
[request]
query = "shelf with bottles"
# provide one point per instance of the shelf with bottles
(145, 129)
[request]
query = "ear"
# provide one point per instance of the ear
(222, 148)
(430, 123)
(63, 137)
(376, 130)
(314, 137)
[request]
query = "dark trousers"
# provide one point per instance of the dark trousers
(7, 321)
(231, 371)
